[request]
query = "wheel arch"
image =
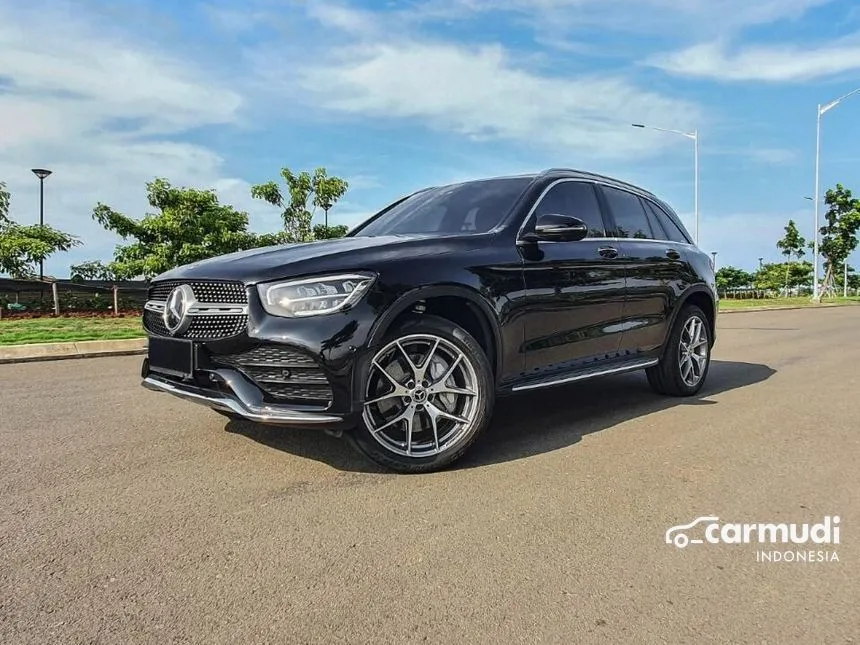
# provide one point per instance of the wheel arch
(477, 317)
(704, 299)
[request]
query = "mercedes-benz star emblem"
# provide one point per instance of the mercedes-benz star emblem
(180, 300)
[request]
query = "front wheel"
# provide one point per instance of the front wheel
(687, 357)
(428, 394)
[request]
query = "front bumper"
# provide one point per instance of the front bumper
(289, 372)
(231, 392)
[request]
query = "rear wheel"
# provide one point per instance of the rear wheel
(428, 394)
(687, 357)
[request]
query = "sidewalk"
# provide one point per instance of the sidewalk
(82, 349)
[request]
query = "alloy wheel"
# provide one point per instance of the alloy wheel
(693, 351)
(421, 396)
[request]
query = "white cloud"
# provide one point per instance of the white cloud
(770, 63)
(483, 92)
(687, 17)
(104, 111)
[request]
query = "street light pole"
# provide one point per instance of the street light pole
(696, 180)
(41, 173)
(815, 294)
(822, 110)
(694, 135)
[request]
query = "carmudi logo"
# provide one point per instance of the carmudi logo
(709, 530)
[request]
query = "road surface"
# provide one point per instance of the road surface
(128, 516)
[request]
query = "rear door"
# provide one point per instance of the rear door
(654, 266)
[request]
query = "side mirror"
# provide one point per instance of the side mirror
(559, 228)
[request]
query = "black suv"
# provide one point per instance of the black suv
(404, 332)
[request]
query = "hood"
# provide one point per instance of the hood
(288, 260)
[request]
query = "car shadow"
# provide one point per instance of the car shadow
(566, 414)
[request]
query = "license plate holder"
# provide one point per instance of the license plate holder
(174, 356)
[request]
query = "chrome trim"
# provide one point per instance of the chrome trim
(543, 194)
(155, 305)
(218, 310)
(198, 309)
(595, 183)
(246, 400)
(581, 377)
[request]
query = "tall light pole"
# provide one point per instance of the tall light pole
(822, 109)
(41, 173)
(694, 135)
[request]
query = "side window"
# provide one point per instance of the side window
(675, 234)
(629, 214)
(656, 227)
(575, 198)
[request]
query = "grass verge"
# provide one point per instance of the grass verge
(803, 301)
(65, 330)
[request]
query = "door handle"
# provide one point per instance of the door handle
(673, 254)
(608, 252)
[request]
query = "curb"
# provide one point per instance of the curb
(83, 349)
(787, 308)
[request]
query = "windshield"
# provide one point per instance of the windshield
(470, 207)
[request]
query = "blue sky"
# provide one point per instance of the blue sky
(397, 95)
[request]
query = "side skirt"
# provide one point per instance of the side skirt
(593, 371)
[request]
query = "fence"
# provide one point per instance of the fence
(28, 298)
(750, 293)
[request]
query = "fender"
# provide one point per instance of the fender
(682, 300)
(410, 298)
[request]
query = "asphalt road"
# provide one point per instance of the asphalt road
(130, 517)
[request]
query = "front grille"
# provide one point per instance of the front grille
(283, 373)
(203, 328)
(204, 291)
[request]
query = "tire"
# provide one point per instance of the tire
(668, 376)
(457, 361)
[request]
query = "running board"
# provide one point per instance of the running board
(592, 373)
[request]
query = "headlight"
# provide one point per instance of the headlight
(314, 296)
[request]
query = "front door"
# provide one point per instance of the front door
(574, 290)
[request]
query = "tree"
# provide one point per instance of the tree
(91, 270)
(853, 278)
(23, 247)
(190, 225)
(305, 193)
(323, 232)
(730, 277)
(839, 234)
(791, 246)
(773, 277)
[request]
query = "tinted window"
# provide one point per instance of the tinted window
(470, 207)
(675, 234)
(629, 214)
(653, 222)
(577, 199)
